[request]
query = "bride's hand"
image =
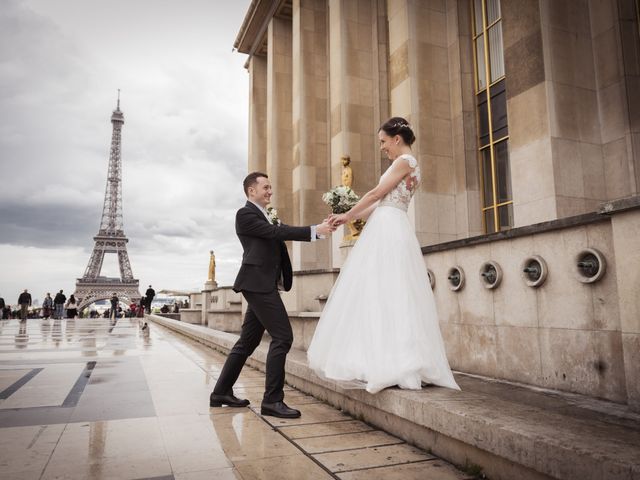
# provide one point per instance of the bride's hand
(337, 220)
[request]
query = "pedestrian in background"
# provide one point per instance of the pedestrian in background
(114, 306)
(47, 306)
(149, 294)
(58, 304)
(24, 300)
(72, 307)
(143, 303)
(2, 307)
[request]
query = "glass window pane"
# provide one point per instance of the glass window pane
(487, 178)
(496, 55)
(505, 216)
(499, 110)
(483, 119)
(503, 172)
(477, 13)
(480, 62)
(489, 224)
(493, 11)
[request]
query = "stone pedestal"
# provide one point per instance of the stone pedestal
(209, 286)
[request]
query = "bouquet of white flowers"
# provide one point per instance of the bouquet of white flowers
(341, 199)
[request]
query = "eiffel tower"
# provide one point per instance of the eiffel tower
(110, 238)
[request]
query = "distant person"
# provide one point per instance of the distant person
(176, 309)
(133, 309)
(24, 300)
(2, 307)
(186, 304)
(149, 294)
(165, 308)
(142, 305)
(47, 306)
(58, 304)
(114, 306)
(72, 307)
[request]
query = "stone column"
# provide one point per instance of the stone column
(422, 92)
(311, 166)
(616, 53)
(357, 60)
(257, 114)
(279, 131)
(528, 110)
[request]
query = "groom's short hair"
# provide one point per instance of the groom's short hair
(251, 179)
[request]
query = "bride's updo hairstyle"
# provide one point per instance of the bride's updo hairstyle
(399, 126)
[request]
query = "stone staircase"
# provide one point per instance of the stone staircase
(507, 431)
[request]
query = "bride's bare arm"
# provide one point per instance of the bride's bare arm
(398, 170)
(364, 215)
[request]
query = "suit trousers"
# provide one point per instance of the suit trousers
(264, 311)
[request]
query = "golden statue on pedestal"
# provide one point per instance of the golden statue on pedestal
(347, 172)
(212, 268)
(356, 226)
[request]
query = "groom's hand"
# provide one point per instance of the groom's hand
(325, 228)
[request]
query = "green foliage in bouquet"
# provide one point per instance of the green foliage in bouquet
(341, 199)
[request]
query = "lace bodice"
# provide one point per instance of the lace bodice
(401, 194)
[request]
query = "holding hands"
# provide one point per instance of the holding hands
(338, 219)
(325, 228)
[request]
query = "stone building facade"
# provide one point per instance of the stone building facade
(527, 118)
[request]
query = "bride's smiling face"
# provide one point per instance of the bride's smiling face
(389, 145)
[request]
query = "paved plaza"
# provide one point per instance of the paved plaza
(91, 398)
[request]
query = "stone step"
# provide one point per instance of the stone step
(508, 431)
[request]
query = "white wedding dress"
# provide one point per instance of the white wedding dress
(379, 327)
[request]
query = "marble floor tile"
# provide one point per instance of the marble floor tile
(215, 474)
(323, 429)
(9, 376)
(293, 467)
(427, 470)
(26, 450)
(347, 441)
(50, 387)
(371, 457)
(125, 468)
(252, 440)
(312, 413)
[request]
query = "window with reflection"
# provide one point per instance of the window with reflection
(493, 127)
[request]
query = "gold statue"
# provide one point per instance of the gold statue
(355, 227)
(347, 172)
(212, 267)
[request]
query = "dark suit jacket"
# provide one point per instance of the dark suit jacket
(24, 298)
(265, 256)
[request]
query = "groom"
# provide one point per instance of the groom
(265, 268)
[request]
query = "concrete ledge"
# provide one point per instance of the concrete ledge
(510, 431)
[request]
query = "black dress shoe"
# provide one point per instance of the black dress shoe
(279, 409)
(216, 400)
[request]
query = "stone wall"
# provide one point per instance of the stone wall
(565, 334)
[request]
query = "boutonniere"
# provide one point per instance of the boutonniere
(272, 213)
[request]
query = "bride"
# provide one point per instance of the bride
(379, 327)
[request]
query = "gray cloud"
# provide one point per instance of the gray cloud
(184, 141)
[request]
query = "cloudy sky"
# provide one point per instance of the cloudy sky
(184, 98)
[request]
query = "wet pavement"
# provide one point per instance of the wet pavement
(92, 399)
